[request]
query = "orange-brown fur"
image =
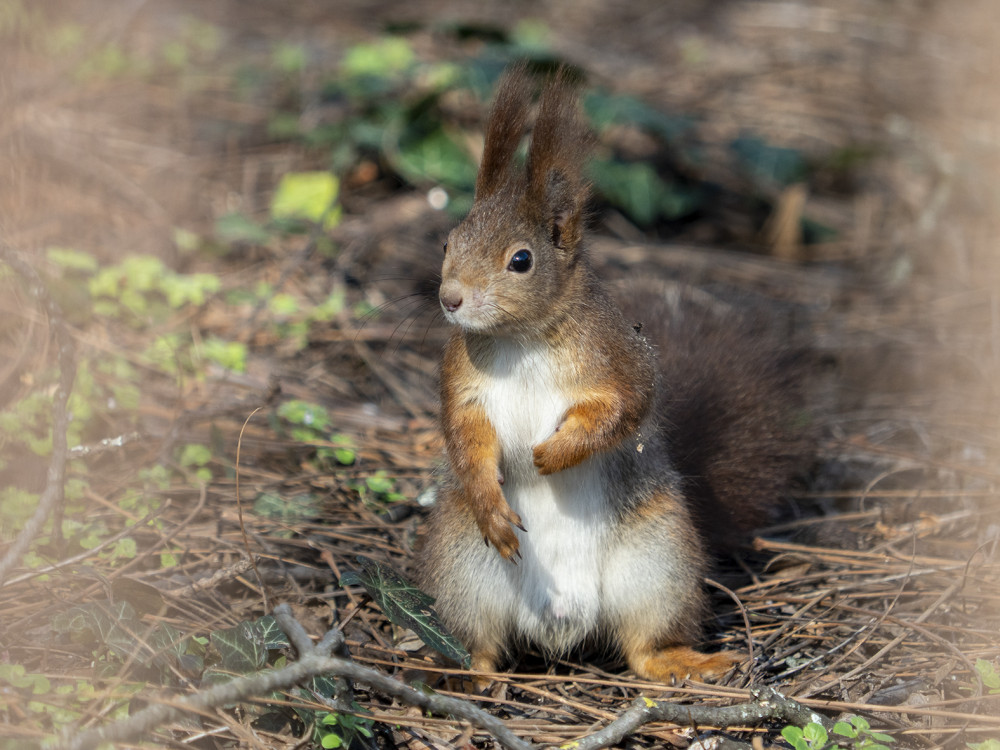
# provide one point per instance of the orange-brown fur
(568, 434)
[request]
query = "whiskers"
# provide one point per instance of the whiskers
(412, 308)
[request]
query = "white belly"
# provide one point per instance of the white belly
(555, 587)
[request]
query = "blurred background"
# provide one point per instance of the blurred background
(240, 205)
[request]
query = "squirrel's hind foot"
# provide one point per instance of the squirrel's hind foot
(676, 663)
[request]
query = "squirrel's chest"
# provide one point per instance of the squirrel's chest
(566, 514)
(524, 398)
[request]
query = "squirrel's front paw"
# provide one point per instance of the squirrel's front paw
(497, 531)
(557, 454)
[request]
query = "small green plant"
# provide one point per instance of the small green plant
(196, 458)
(856, 731)
(377, 488)
(333, 729)
(988, 674)
(310, 424)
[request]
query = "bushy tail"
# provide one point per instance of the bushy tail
(732, 406)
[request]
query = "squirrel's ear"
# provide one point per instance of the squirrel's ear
(559, 147)
(504, 129)
(564, 201)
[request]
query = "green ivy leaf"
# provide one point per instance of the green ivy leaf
(242, 648)
(639, 191)
(271, 633)
(110, 624)
(769, 164)
(436, 158)
(605, 110)
(406, 606)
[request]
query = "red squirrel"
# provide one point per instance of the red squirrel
(599, 461)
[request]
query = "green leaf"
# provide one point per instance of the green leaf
(769, 164)
(110, 625)
(641, 193)
(388, 56)
(860, 723)
(988, 674)
(436, 158)
(327, 686)
(605, 110)
(232, 355)
(271, 633)
(283, 305)
(236, 227)
(72, 260)
(289, 58)
(242, 648)
(815, 733)
(194, 454)
(380, 482)
(406, 606)
(331, 740)
(794, 737)
(844, 729)
(124, 548)
(294, 509)
(168, 643)
(306, 195)
(985, 745)
(304, 413)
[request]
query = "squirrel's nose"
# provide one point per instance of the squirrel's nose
(451, 295)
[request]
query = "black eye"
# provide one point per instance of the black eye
(445, 248)
(521, 262)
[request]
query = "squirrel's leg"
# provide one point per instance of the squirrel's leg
(654, 597)
(474, 451)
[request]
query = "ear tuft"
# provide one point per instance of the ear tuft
(504, 129)
(560, 145)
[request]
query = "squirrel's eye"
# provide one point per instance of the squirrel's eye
(445, 248)
(521, 262)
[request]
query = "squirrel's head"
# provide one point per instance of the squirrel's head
(507, 265)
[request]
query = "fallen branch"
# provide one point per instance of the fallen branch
(52, 495)
(767, 705)
(313, 661)
(316, 660)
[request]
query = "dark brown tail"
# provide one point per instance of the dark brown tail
(732, 404)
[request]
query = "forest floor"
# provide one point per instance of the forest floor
(236, 208)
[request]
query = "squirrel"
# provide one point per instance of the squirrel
(599, 461)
